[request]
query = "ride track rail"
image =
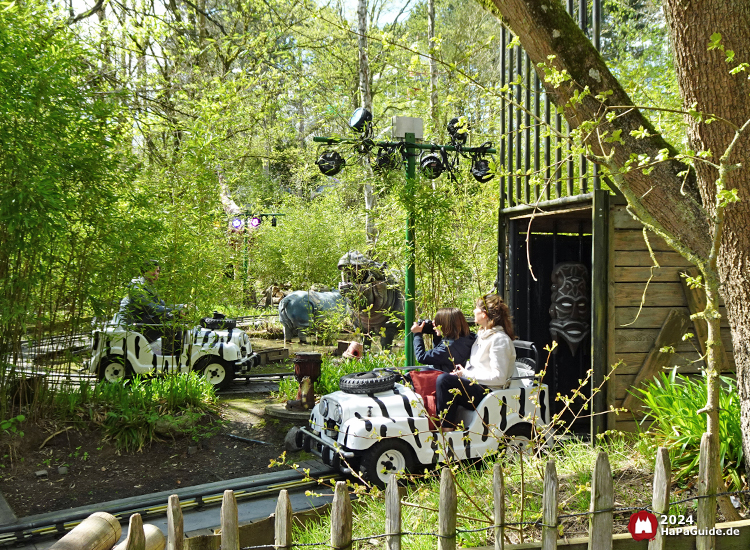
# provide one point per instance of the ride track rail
(155, 505)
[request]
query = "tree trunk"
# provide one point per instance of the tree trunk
(365, 94)
(434, 114)
(664, 199)
(705, 81)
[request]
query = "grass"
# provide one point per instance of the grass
(633, 471)
(672, 402)
(332, 369)
(132, 412)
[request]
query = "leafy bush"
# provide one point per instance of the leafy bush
(672, 401)
(131, 412)
(305, 247)
(332, 369)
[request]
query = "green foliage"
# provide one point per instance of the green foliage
(131, 412)
(332, 369)
(524, 488)
(11, 425)
(672, 401)
(305, 246)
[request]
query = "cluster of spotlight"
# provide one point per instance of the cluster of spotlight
(389, 157)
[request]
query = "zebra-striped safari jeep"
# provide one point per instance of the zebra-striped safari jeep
(375, 426)
(216, 349)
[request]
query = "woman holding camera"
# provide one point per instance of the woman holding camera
(451, 340)
(490, 364)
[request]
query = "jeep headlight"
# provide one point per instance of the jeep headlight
(324, 407)
(337, 413)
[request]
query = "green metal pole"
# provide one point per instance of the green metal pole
(410, 253)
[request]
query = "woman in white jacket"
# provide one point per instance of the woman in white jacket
(490, 364)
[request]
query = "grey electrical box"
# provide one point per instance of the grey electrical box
(402, 125)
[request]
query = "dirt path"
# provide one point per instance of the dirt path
(82, 469)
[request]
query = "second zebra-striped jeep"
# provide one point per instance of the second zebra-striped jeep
(376, 425)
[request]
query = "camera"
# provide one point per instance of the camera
(429, 326)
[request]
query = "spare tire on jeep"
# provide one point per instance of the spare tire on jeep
(218, 324)
(368, 382)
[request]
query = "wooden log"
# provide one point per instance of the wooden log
(498, 496)
(175, 531)
(549, 507)
(447, 511)
(671, 333)
(393, 514)
(283, 521)
(99, 531)
(602, 502)
(155, 539)
(341, 518)
(230, 529)
(706, 486)
(660, 500)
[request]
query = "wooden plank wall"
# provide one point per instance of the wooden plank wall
(632, 334)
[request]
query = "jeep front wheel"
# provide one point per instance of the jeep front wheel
(215, 371)
(389, 456)
(113, 369)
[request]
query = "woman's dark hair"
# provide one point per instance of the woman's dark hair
(498, 312)
(452, 322)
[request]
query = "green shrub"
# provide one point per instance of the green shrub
(673, 401)
(332, 369)
(129, 411)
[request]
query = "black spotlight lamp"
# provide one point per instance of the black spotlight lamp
(330, 163)
(386, 159)
(273, 221)
(455, 127)
(431, 166)
(360, 120)
(480, 169)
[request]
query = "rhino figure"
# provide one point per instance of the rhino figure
(374, 296)
(297, 308)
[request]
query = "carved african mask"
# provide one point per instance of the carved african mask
(570, 309)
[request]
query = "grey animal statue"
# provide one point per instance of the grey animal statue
(297, 308)
(374, 296)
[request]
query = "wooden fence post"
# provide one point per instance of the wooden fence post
(660, 501)
(447, 511)
(498, 495)
(175, 530)
(602, 498)
(706, 486)
(136, 540)
(230, 529)
(341, 518)
(283, 521)
(392, 514)
(549, 507)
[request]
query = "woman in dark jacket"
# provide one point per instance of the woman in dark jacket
(451, 342)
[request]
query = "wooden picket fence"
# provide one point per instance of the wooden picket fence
(278, 530)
